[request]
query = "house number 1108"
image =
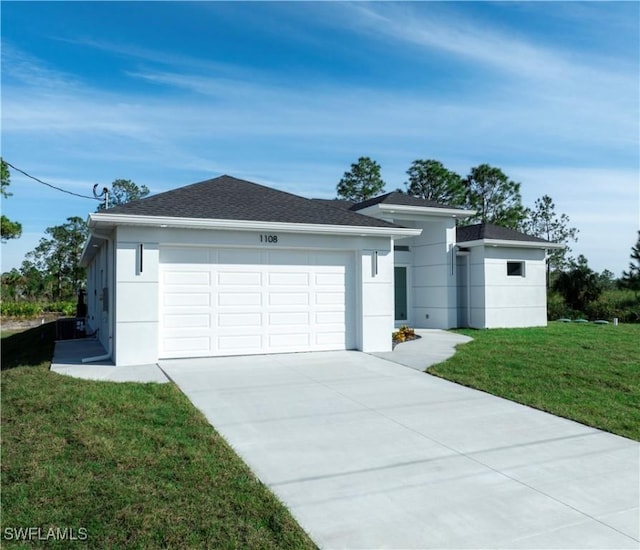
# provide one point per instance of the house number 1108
(268, 238)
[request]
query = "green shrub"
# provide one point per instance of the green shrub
(579, 286)
(65, 308)
(623, 304)
(557, 307)
(20, 309)
(612, 303)
(34, 309)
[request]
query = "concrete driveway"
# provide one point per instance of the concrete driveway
(367, 453)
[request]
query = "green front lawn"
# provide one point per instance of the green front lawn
(136, 465)
(586, 372)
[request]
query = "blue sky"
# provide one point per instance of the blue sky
(290, 94)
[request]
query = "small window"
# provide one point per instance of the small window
(401, 248)
(515, 269)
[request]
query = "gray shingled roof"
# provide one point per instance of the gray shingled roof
(336, 203)
(492, 232)
(229, 198)
(395, 197)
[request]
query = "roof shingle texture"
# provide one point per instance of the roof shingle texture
(492, 232)
(395, 197)
(229, 198)
(336, 203)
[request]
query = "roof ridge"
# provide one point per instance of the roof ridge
(492, 231)
(370, 201)
(230, 198)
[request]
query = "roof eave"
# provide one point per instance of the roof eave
(509, 243)
(420, 211)
(107, 221)
(91, 247)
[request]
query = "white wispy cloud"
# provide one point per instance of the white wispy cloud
(18, 65)
(506, 51)
(563, 84)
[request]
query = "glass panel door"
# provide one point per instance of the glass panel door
(400, 292)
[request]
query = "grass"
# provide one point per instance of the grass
(585, 372)
(136, 465)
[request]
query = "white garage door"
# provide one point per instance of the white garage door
(217, 301)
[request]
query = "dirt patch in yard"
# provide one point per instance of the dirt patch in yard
(17, 324)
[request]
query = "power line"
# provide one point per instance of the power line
(50, 185)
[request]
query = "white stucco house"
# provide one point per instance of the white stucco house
(230, 267)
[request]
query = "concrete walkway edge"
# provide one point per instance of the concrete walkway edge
(67, 360)
(434, 346)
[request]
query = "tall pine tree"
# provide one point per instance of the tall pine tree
(494, 197)
(543, 222)
(363, 181)
(429, 179)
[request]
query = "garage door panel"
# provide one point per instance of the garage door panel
(330, 298)
(239, 278)
(201, 294)
(284, 298)
(187, 345)
(289, 329)
(190, 332)
(186, 299)
(248, 342)
(179, 312)
(330, 279)
(330, 338)
(240, 319)
(289, 318)
(235, 299)
(182, 278)
(330, 318)
(289, 341)
(187, 320)
(188, 289)
(289, 279)
(250, 301)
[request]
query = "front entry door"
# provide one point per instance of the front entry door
(400, 293)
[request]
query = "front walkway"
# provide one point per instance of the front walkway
(433, 347)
